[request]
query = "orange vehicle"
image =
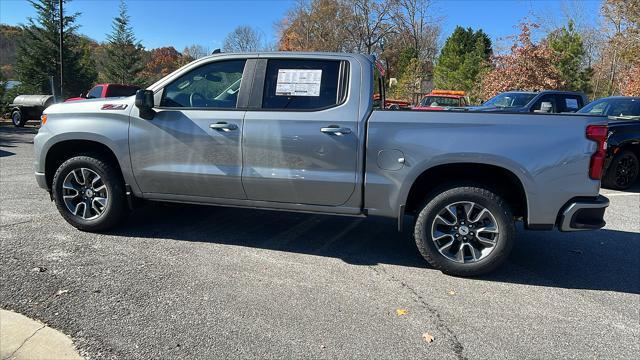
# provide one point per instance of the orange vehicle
(440, 100)
(391, 103)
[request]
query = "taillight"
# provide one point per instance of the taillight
(597, 133)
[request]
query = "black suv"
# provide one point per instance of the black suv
(547, 101)
(623, 141)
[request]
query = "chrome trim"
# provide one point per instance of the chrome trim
(567, 214)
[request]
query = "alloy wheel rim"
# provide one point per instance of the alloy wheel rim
(465, 232)
(625, 171)
(85, 194)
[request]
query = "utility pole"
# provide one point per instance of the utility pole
(61, 45)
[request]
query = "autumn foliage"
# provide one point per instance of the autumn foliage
(528, 66)
(162, 61)
(631, 81)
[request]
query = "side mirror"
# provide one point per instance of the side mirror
(144, 102)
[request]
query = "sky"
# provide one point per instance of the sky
(180, 23)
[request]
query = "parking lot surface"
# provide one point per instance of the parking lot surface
(180, 281)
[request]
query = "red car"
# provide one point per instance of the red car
(440, 100)
(107, 91)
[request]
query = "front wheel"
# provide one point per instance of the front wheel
(623, 171)
(465, 231)
(89, 193)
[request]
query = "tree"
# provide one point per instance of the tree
(38, 54)
(567, 45)
(315, 25)
(369, 22)
(463, 59)
(418, 29)
(194, 52)
(620, 48)
(243, 39)
(631, 81)
(529, 66)
(124, 53)
(162, 62)
(409, 83)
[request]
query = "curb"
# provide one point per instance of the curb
(24, 338)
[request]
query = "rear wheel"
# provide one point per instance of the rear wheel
(16, 118)
(89, 193)
(623, 171)
(465, 231)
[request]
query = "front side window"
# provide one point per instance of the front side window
(215, 85)
(96, 92)
(546, 104)
(303, 84)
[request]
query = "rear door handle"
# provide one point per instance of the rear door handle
(224, 126)
(335, 130)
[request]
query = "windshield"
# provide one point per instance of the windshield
(510, 100)
(613, 107)
(429, 101)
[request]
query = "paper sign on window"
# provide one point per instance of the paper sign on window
(298, 82)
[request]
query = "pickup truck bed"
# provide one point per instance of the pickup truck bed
(299, 132)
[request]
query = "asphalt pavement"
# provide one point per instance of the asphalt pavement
(184, 281)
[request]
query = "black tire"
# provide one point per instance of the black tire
(622, 172)
(498, 209)
(16, 118)
(116, 207)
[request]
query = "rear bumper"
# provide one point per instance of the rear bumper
(583, 214)
(41, 180)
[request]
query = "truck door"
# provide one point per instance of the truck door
(192, 145)
(300, 140)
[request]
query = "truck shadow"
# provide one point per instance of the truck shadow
(605, 260)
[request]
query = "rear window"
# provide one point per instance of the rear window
(120, 91)
(429, 101)
(304, 84)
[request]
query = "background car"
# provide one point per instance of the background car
(439, 100)
(107, 91)
(547, 101)
(621, 165)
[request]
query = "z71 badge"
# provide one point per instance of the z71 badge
(113, 107)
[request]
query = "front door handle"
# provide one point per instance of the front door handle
(224, 126)
(335, 130)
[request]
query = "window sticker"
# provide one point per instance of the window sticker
(572, 103)
(298, 82)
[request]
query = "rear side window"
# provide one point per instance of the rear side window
(96, 92)
(120, 91)
(569, 103)
(304, 84)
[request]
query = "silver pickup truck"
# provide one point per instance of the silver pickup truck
(302, 132)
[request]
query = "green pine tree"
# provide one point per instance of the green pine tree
(124, 53)
(566, 42)
(463, 59)
(38, 54)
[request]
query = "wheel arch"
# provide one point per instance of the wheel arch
(66, 149)
(499, 179)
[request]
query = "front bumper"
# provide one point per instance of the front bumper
(583, 214)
